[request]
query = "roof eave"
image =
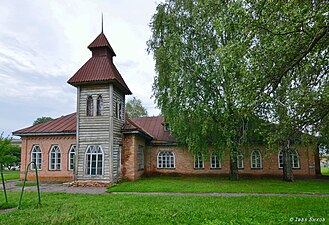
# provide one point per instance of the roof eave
(137, 132)
(44, 134)
(86, 83)
(163, 143)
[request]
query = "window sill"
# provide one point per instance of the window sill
(256, 168)
(296, 168)
(219, 168)
(198, 168)
(163, 168)
(94, 176)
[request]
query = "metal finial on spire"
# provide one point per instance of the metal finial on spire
(102, 22)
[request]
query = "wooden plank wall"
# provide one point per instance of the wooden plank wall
(93, 130)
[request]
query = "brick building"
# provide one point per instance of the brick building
(99, 143)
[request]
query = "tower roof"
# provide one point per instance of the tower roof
(101, 41)
(100, 68)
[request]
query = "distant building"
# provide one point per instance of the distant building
(15, 141)
(109, 146)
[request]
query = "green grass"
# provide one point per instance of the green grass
(61, 208)
(215, 184)
(325, 171)
(10, 175)
(27, 184)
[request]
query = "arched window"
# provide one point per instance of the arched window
(55, 158)
(280, 159)
(72, 153)
(90, 106)
(36, 156)
(94, 160)
(215, 162)
(198, 161)
(99, 105)
(239, 160)
(256, 159)
(294, 159)
(166, 159)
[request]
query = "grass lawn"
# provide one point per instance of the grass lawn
(325, 171)
(61, 208)
(215, 184)
(10, 175)
(27, 184)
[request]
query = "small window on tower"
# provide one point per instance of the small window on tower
(90, 106)
(116, 109)
(100, 105)
(120, 111)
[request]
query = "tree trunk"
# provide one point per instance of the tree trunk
(234, 173)
(287, 169)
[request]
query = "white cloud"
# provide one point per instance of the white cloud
(43, 43)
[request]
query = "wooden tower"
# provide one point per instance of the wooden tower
(101, 94)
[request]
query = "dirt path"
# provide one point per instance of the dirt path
(65, 188)
(51, 187)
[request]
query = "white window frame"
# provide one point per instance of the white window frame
(256, 160)
(293, 154)
(55, 153)
(36, 150)
(94, 150)
(215, 161)
(140, 157)
(198, 160)
(72, 153)
(239, 160)
(166, 160)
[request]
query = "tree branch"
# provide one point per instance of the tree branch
(292, 64)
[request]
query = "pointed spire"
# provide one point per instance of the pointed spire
(102, 22)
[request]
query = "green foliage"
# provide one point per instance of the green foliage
(42, 120)
(62, 208)
(200, 85)
(9, 153)
(289, 60)
(221, 64)
(134, 108)
(215, 184)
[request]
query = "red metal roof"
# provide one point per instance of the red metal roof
(101, 41)
(100, 67)
(149, 126)
(154, 126)
(64, 124)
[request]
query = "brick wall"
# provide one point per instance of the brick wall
(45, 142)
(184, 163)
(131, 142)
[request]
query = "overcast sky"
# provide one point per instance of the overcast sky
(43, 43)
